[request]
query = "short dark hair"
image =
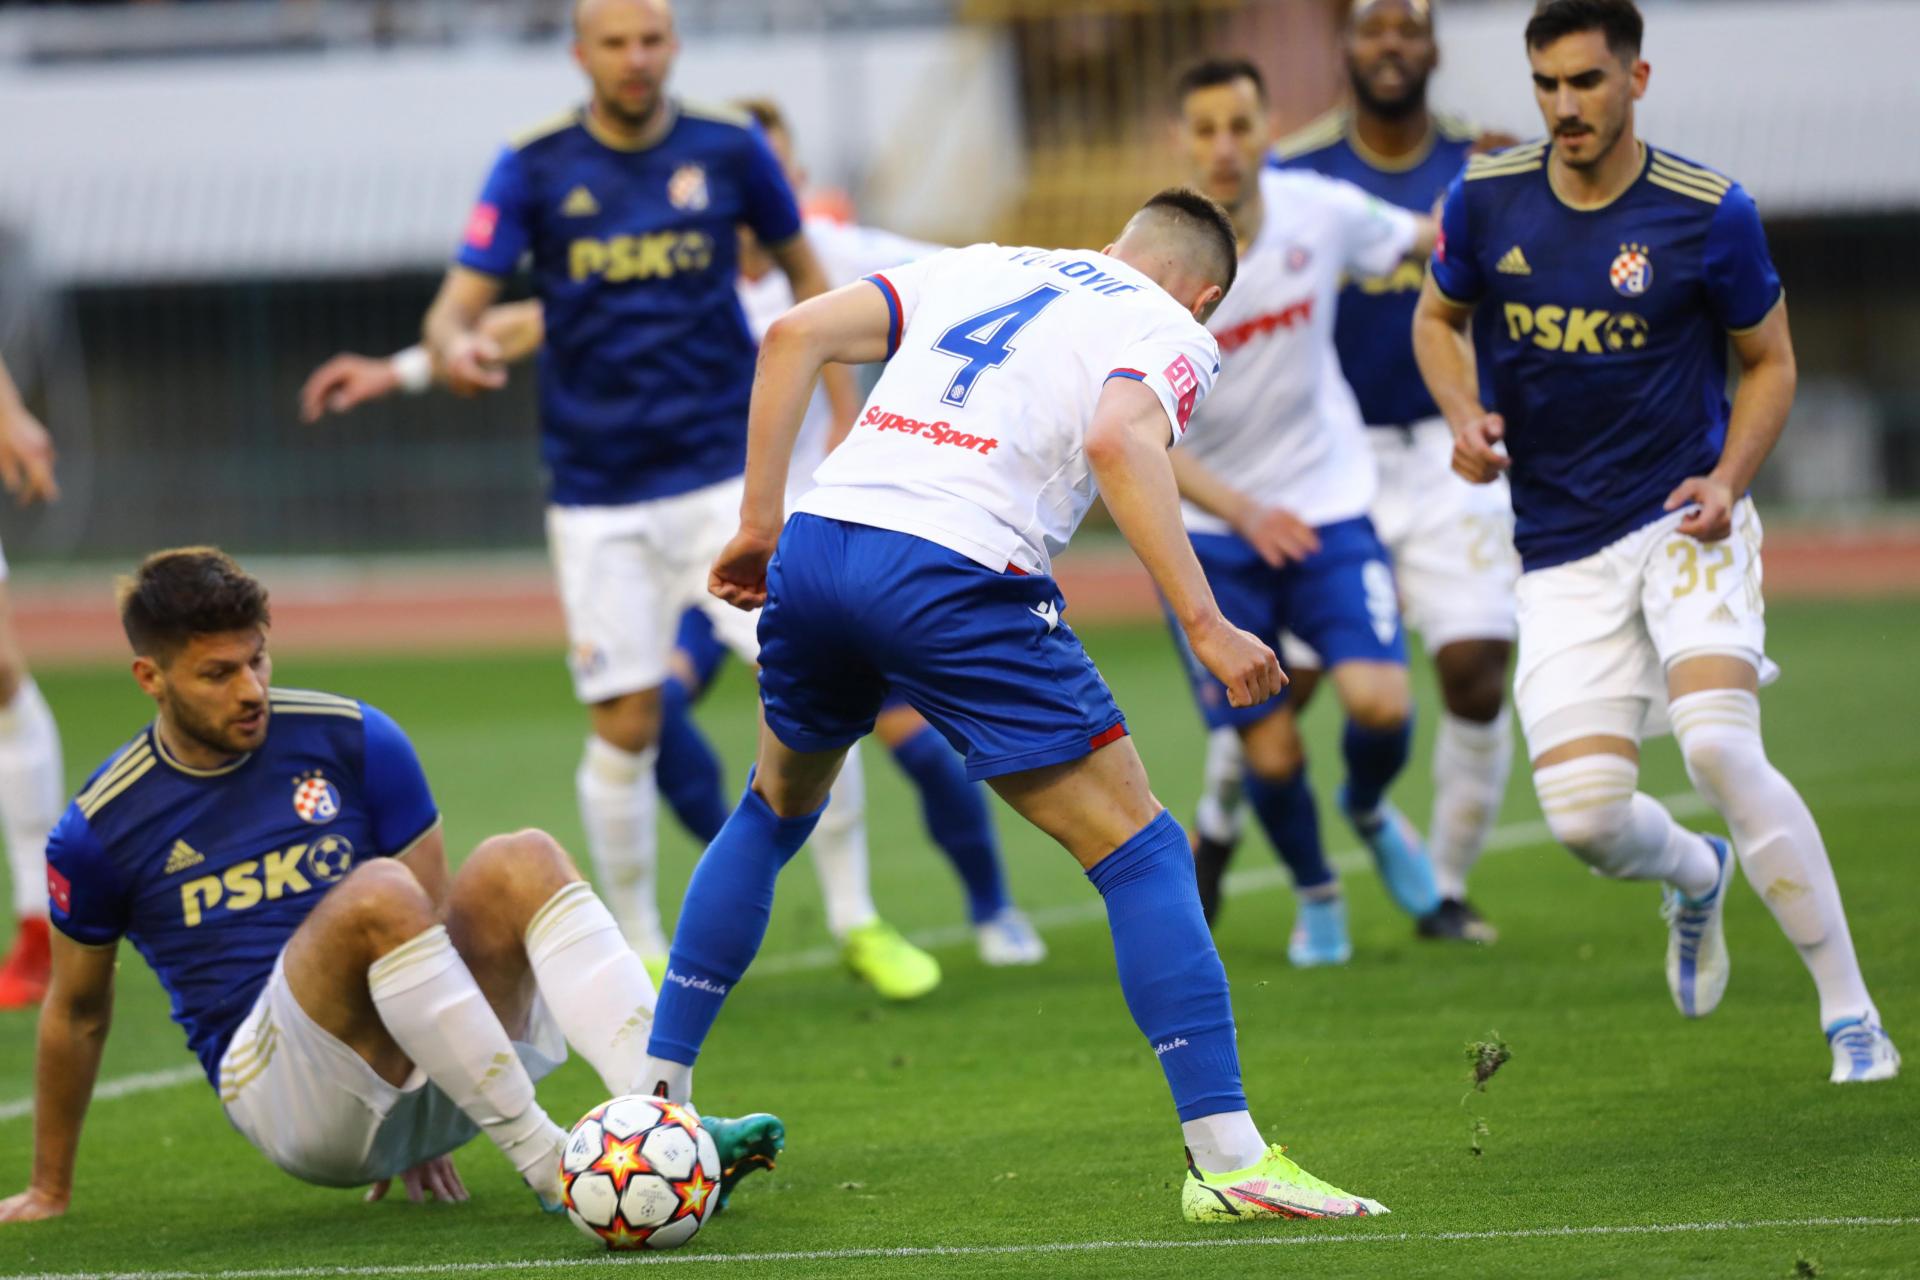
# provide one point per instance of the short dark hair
(1192, 209)
(1618, 20)
(184, 592)
(1210, 72)
(766, 113)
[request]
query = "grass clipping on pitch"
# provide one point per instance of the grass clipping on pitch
(1485, 1057)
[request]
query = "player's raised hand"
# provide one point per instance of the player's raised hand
(32, 1205)
(474, 363)
(26, 458)
(346, 382)
(1477, 454)
(1278, 535)
(1239, 660)
(436, 1177)
(1711, 518)
(739, 575)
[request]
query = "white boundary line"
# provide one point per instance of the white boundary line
(1512, 835)
(967, 1251)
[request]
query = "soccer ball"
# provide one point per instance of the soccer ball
(640, 1173)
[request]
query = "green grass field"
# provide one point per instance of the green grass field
(1014, 1123)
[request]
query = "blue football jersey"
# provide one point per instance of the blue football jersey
(648, 362)
(1601, 334)
(1373, 327)
(209, 872)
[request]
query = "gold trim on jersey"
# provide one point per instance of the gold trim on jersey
(1687, 180)
(613, 142)
(1682, 167)
(1455, 128)
(546, 128)
(717, 111)
(1393, 164)
(1646, 159)
(174, 762)
(130, 755)
(1500, 164)
(99, 798)
(311, 702)
(1322, 131)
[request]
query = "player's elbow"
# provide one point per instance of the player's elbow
(1109, 445)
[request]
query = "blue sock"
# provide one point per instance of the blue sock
(688, 772)
(1170, 974)
(1374, 759)
(723, 920)
(956, 815)
(1291, 820)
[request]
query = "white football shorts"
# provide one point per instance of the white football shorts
(315, 1108)
(1597, 635)
(1451, 542)
(626, 575)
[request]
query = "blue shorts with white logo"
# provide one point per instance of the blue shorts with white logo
(1341, 600)
(854, 613)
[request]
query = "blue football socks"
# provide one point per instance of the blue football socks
(1291, 820)
(688, 772)
(957, 818)
(1374, 759)
(1170, 974)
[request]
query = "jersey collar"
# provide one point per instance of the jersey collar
(1646, 158)
(177, 765)
(1392, 164)
(598, 132)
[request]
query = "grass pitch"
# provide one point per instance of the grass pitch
(1014, 1123)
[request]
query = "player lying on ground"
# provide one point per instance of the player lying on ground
(1603, 279)
(687, 768)
(30, 784)
(1277, 478)
(1018, 380)
(276, 856)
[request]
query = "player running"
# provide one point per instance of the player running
(629, 208)
(1603, 279)
(1277, 479)
(687, 770)
(1018, 381)
(30, 782)
(1451, 542)
(276, 857)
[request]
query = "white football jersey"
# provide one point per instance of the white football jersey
(975, 436)
(846, 253)
(1283, 427)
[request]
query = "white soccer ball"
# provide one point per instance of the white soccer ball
(640, 1173)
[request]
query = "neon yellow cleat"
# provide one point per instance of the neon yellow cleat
(884, 960)
(1274, 1188)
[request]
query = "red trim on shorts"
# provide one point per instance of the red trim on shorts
(1015, 569)
(1102, 738)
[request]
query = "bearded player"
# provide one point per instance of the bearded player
(1604, 280)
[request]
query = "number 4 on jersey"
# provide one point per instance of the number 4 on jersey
(985, 340)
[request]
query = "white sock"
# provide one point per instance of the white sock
(676, 1078)
(839, 851)
(1593, 809)
(1226, 1142)
(1470, 766)
(596, 987)
(1777, 839)
(31, 794)
(618, 804)
(1218, 815)
(436, 1014)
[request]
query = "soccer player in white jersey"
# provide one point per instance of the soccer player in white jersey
(30, 775)
(1606, 281)
(1018, 382)
(1278, 477)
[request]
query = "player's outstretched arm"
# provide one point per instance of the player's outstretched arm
(26, 450)
(349, 379)
(470, 360)
(848, 325)
(73, 1032)
(1277, 534)
(1127, 452)
(1768, 376)
(1445, 355)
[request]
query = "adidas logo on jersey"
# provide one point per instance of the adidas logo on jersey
(579, 204)
(182, 856)
(1514, 263)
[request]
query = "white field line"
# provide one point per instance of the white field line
(1231, 1240)
(1512, 835)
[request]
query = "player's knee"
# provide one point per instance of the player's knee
(517, 867)
(383, 902)
(1379, 709)
(1475, 689)
(1588, 803)
(1592, 830)
(13, 673)
(1274, 757)
(630, 722)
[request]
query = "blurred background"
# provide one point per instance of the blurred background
(202, 199)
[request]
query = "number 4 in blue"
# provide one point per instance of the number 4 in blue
(985, 340)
